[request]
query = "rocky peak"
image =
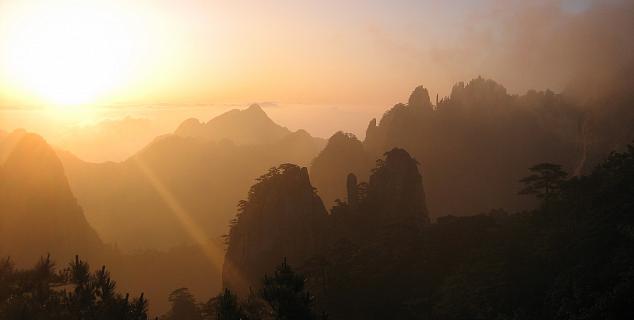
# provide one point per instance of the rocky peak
(343, 154)
(395, 191)
(420, 99)
(244, 127)
(38, 212)
(479, 93)
(255, 108)
(8, 142)
(282, 217)
(32, 163)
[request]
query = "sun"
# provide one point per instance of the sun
(66, 54)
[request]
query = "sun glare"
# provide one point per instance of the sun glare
(68, 55)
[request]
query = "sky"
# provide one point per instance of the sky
(80, 61)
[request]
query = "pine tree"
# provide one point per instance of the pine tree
(74, 293)
(184, 306)
(285, 293)
(545, 182)
(225, 306)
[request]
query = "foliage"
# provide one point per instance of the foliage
(225, 306)
(571, 258)
(545, 182)
(286, 295)
(184, 306)
(73, 293)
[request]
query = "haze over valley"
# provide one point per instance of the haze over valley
(467, 160)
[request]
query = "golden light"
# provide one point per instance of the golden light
(68, 53)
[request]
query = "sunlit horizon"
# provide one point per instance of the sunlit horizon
(78, 54)
(322, 67)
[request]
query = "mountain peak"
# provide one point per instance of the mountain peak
(255, 108)
(247, 126)
(38, 211)
(396, 186)
(280, 218)
(420, 99)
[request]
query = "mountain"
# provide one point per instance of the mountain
(343, 154)
(38, 212)
(282, 219)
(569, 258)
(476, 144)
(395, 193)
(146, 201)
(379, 257)
(8, 142)
(250, 126)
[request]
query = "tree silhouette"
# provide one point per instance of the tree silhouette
(225, 306)
(184, 306)
(73, 293)
(285, 293)
(545, 182)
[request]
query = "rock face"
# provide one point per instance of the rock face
(344, 154)
(420, 99)
(395, 195)
(392, 205)
(352, 191)
(478, 143)
(38, 212)
(282, 218)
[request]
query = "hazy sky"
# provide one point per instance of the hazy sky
(355, 57)
(185, 52)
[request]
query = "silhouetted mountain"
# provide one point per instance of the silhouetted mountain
(395, 192)
(243, 127)
(572, 256)
(282, 218)
(420, 99)
(141, 203)
(38, 212)
(343, 154)
(8, 142)
(477, 142)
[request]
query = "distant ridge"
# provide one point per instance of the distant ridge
(476, 143)
(244, 127)
(205, 167)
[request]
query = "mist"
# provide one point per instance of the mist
(340, 160)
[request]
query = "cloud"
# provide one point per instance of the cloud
(539, 46)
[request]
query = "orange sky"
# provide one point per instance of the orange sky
(70, 52)
(353, 59)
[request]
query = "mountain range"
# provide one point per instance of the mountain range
(168, 204)
(199, 174)
(476, 143)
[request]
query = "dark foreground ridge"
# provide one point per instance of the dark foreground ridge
(379, 258)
